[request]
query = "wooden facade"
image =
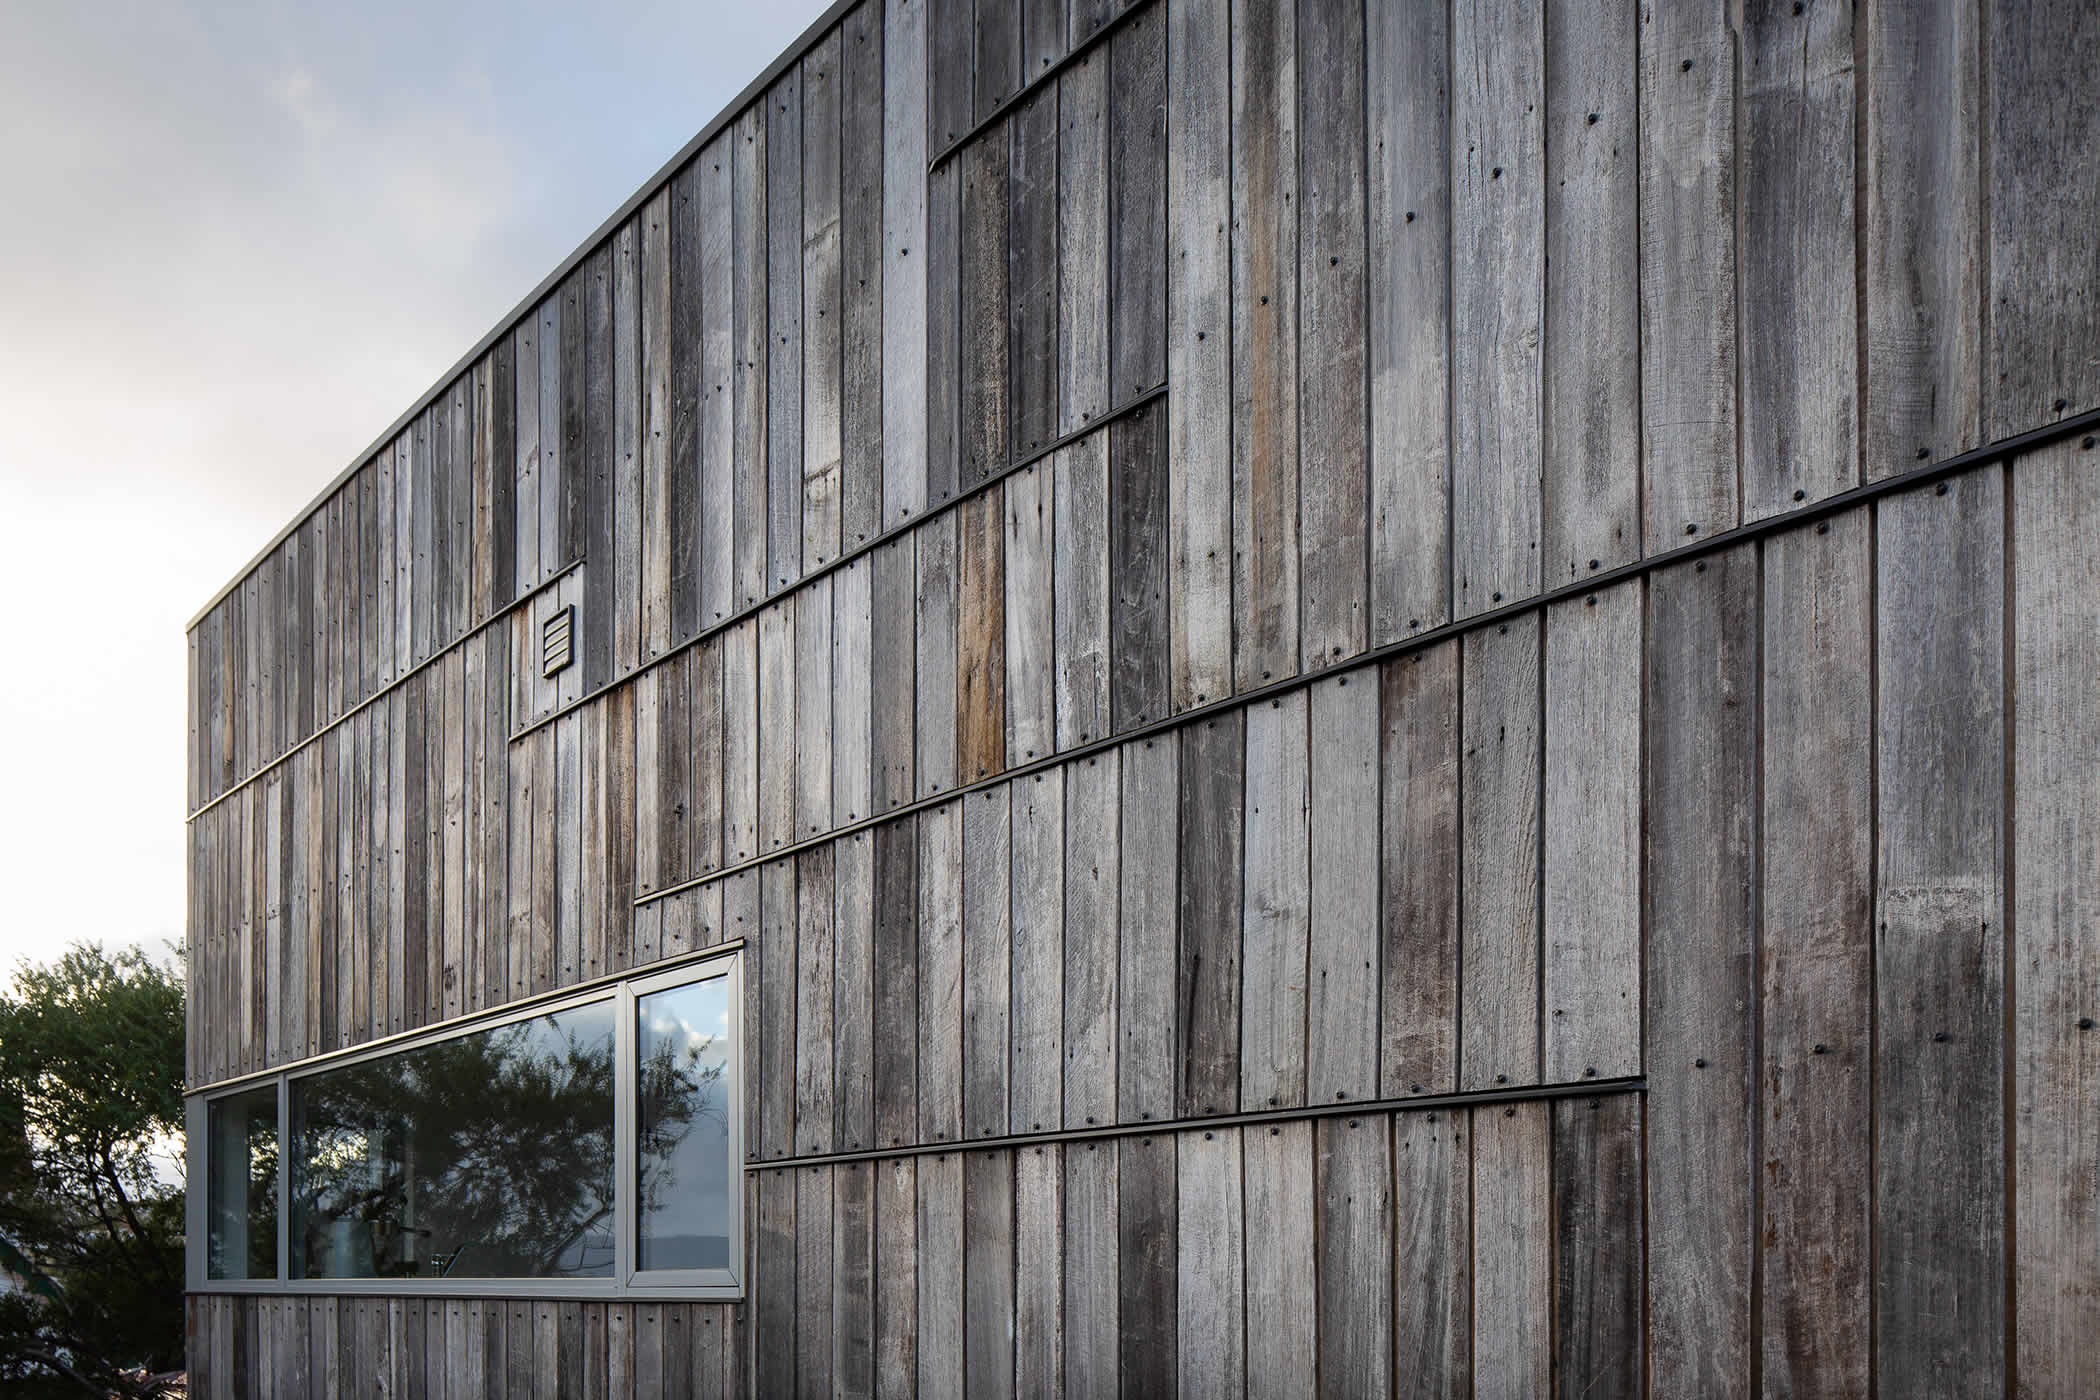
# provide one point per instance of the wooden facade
(1393, 699)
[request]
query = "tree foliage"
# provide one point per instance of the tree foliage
(91, 1067)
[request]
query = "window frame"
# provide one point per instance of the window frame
(626, 1280)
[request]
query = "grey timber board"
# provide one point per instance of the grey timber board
(1036, 998)
(1815, 994)
(1138, 483)
(1590, 876)
(722, 375)
(1198, 463)
(1264, 335)
(1332, 291)
(814, 731)
(815, 1225)
(528, 472)
(941, 1277)
(1210, 1335)
(2056, 972)
(775, 978)
(854, 1046)
(941, 995)
(774, 1306)
(777, 732)
(1207, 973)
(1342, 968)
(950, 37)
(852, 706)
(988, 1274)
(1687, 143)
(1083, 250)
(821, 405)
(1031, 640)
(1498, 249)
(785, 330)
(984, 369)
(1080, 590)
(862, 381)
(1590, 399)
(642, 381)
(1043, 24)
(995, 68)
(1354, 1180)
(1092, 890)
(903, 355)
(892, 685)
(896, 995)
(1940, 1158)
(987, 943)
(1419, 843)
(1700, 783)
(2044, 250)
(689, 506)
(1408, 332)
(1091, 1269)
(896, 1279)
(980, 636)
(938, 641)
(944, 333)
(1032, 279)
(1281, 1206)
(1512, 1250)
(596, 630)
(853, 1279)
(1923, 234)
(1500, 792)
(1137, 208)
(752, 349)
(1597, 1245)
(1276, 905)
(1800, 350)
(1039, 1248)
(1148, 980)
(813, 1041)
(740, 742)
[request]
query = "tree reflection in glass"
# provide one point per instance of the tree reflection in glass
(683, 1158)
(485, 1156)
(240, 1239)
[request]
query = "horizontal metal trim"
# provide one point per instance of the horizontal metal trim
(523, 600)
(818, 28)
(466, 1024)
(1350, 1108)
(1807, 514)
(493, 1289)
(1033, 85)
(874, 542)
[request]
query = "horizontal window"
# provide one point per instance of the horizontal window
(587, 1145)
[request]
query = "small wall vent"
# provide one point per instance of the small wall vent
(557, 637)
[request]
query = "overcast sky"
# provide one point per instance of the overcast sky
(236, 241)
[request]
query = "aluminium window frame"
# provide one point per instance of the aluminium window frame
(626, 1281)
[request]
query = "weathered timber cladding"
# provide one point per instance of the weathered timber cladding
(960, 463)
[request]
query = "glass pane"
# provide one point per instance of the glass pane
(241, 1198)
(682, 1082)
(487, 1156)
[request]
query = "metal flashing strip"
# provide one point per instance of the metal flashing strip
(1807, 514)
(1351, 1108)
